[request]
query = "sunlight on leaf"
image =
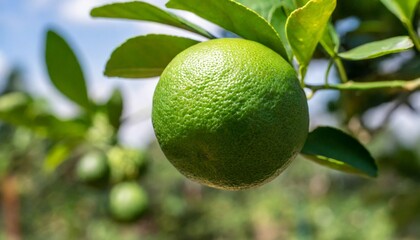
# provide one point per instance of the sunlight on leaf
(145, 56)
(305, 27)
(403, 9)
(378, 48)
(146, 12)
(236, 18)
(57, 155)
(262, 7)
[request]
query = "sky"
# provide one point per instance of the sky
(23, 25)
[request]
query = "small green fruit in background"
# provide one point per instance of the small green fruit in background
(127, 201)
(93, 168)
(125, 163)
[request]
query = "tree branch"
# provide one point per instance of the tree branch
(409, 85)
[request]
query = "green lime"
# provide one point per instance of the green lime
(92, 167)
(230, 113)
(127, 201)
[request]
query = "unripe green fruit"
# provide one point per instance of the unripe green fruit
(230, 113)
(93, 168)
(127, 201)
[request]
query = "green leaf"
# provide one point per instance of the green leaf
(403, 9)
(330, 40)
(57, 155)
(378, 48)
(278, 19)
(236, 18)
(337, 150)
(114, 108)
(263, 7)
(145, 56)
(300, 3)
(305, 27)
(291, 5)
(146, 12)
(20, 110)
(64, 70)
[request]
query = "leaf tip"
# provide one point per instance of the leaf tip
(374, 171)
(50, 33)
(92, 12)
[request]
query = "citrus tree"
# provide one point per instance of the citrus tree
(229, 113)
(209, 109)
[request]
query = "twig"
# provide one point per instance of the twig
(409, 85)
(397, 104)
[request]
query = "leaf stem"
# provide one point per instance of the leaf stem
(414, 36)
(409, 85)
(341, 69)
(327, 73)
(302, 74)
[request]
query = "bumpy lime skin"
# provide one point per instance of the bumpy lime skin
(230, 113)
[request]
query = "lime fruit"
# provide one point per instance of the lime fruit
(93, 168)
(230, 113)
(127, 201)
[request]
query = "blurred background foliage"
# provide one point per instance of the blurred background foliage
(306, 202)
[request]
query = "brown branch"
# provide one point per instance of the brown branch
(11, 207)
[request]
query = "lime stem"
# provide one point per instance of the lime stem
(302, 74)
